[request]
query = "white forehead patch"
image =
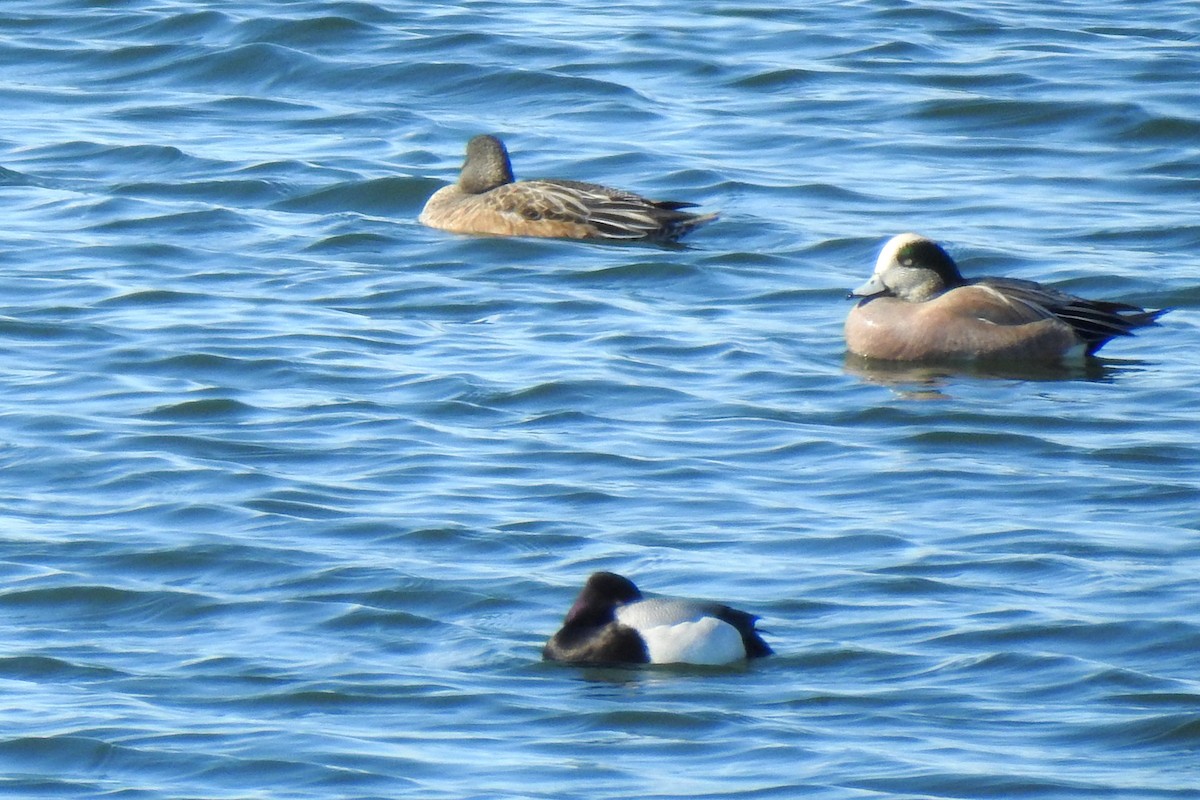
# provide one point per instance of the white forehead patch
(887, 256)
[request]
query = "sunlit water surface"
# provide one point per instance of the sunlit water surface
(293, 489)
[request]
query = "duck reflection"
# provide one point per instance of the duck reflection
(926, 381)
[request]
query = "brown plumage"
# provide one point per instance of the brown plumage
(917, 306)
(487, 200)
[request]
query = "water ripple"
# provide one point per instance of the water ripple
(294, 489)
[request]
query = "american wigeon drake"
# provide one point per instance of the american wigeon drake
(611, 623)
(917, 307)
(486, 200)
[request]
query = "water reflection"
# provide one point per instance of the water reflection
(925, 381)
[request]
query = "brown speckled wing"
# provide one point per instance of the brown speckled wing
(608, 213)
(536, 201)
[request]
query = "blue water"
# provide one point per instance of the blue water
(293, 489)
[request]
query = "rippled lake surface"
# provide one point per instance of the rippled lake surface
(292, 489)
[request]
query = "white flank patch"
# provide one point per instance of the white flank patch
(705, 641)
(1076, 353)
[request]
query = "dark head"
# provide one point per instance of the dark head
(597, 602)
(487, 165)
(590, 634)
(911, 268)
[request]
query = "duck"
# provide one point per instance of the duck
(611, 623)
(487, 200)
(917, 306)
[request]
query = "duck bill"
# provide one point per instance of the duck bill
(871, 288)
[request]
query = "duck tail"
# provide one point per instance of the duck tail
(682, 223)
(1116, 319)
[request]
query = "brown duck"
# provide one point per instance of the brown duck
(917, 306)
(487, 200)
